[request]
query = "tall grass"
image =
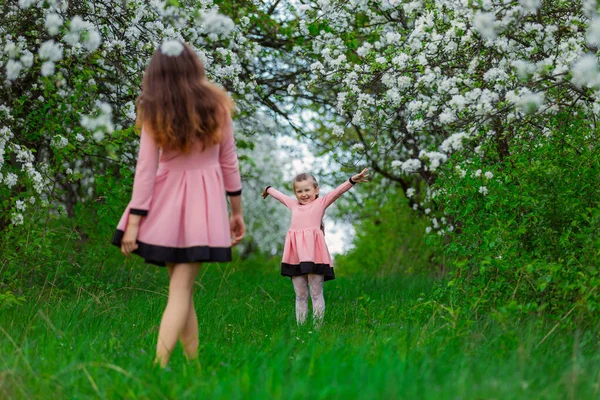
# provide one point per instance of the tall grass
(381, 339)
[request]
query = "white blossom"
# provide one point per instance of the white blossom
(590, 8)
(483, 190)
(410, 192)
(217, 23)
(17, 219)
(11, 49)
(531, 5)
(593, 33)
(20, 205)
(358, 118)
(412, 165)
(53, 23)
(78, 24)
(60, 141)
(435, 158)
(10, 180)
(484, 23)
(530, 102)
(358, 147)
(27, 59)
(291, 89)
(98, 136)
(338, 131)
(50, 50)
(26, 3)
(171, 48)
(454, 142)
(524, 69)
(47, 68)
(364, 49)
(93, 40)
(585, 71)
(13, 69)
(447, 117)
(489, 175)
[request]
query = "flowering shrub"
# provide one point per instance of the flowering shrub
(71, 73)
(529, 242)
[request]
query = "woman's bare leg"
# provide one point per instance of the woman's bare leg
(176, 315)
(189, 335)
(316, 295)
(301, 288)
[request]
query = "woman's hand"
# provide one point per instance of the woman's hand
(237, 228)
(129, 241)
(362, 177)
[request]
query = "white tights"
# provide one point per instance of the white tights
(301, 284)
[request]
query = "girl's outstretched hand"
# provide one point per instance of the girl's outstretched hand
(238, 228)
(362, 177)
(264, 193)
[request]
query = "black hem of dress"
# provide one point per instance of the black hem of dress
(233, 194)
(308, 267)
(161, 255)
(137, 211)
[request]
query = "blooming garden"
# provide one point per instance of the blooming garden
(478, 119)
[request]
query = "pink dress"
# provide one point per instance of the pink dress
(305, 250)
(181, 197)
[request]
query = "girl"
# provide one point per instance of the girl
(187, 162)
(305, 256)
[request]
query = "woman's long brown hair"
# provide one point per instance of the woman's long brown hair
(178, 104)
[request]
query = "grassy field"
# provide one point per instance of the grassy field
(381, 340)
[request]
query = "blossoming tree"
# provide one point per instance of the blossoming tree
(410, 83)
(71, 73)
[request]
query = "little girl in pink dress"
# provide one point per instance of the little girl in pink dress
(306, 258)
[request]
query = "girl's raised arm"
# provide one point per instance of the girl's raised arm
(285, 200)
(145, 175)
(330, 197)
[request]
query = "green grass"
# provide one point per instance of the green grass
(381, 339)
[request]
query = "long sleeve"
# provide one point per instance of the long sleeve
(145, 175)
(285, 200)
(229, 160)
(332, 196)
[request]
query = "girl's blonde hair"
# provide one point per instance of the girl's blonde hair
(305, 176)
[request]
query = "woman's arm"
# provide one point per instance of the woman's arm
(228, 159)
(143, 186)
(232, 180)
(236, 221)
(145, 175)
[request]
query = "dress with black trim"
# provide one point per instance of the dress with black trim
(182, 200)
(305, 250)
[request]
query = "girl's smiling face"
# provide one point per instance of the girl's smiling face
(306, 191)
